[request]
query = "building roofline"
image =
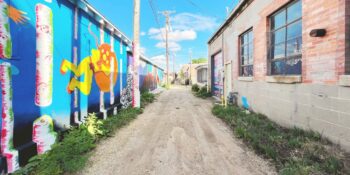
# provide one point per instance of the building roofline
(228, 20)
(202, 66)
(85, 6)
(89, 9)
(143, 57)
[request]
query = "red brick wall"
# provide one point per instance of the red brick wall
(261, 66)
(324, 57)
(347, 36)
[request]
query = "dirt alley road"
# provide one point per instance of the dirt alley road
(176, 135)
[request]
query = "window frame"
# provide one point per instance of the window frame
(285, 26)
(200, 73)
(241, 56)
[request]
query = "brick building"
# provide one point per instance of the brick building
(290, 59)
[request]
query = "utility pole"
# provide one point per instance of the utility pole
(167, 14)
(174, 67)
(136, 51)
(190, 53)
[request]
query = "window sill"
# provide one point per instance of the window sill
(247, 79)
(284, 79)
(344, 80)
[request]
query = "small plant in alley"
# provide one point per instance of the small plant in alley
(294, 151)
(195, 88)
(146, 98)
(201, 92)
(72, 151)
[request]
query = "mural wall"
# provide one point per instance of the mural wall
(218, 75)
(57, 64)
(151, 77)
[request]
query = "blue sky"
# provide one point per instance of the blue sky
(191, 26)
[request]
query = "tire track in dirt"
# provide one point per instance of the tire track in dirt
(176, 135)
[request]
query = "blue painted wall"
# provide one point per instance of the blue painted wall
(151, 77)
(62, 109)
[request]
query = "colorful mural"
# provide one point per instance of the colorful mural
(151, 77)
(57, 64)
(126, 94)
(218, 75)
(7, 149)
(97, 65)
(5, 37)
(43, 133)
(44, 55)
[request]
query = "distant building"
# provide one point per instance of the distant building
(198, 74)
(287, 59)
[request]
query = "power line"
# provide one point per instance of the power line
(155, 15)
(202, 10)
(154, 12)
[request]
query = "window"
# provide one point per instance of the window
(246, 54)
(202, 75)
(286, 40)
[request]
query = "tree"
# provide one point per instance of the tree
(199, 60)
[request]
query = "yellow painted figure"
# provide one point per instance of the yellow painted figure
(101, 64)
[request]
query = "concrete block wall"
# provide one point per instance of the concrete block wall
(322, 108)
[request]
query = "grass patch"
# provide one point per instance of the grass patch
(165, 86)
(293, 151)
(73, 148)
(200, 92)
(195, 88)
(147, 98)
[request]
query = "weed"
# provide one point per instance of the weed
(71, 153)
(293, 151)
(195, 88)
(203, 92)
(146, 98)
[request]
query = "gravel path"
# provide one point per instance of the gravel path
(176, 135)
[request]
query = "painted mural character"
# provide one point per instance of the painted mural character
(98, 64)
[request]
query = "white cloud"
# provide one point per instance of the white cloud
(173, 46)
(175, 35)
(143, 33)
(184, 28)
(143, 50)
(187, 21)
(153, 31)
(159, 60)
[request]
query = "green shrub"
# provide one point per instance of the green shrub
(146, 98)
(203, 92)
(70, 154)
(195, 88)
(293, 151)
